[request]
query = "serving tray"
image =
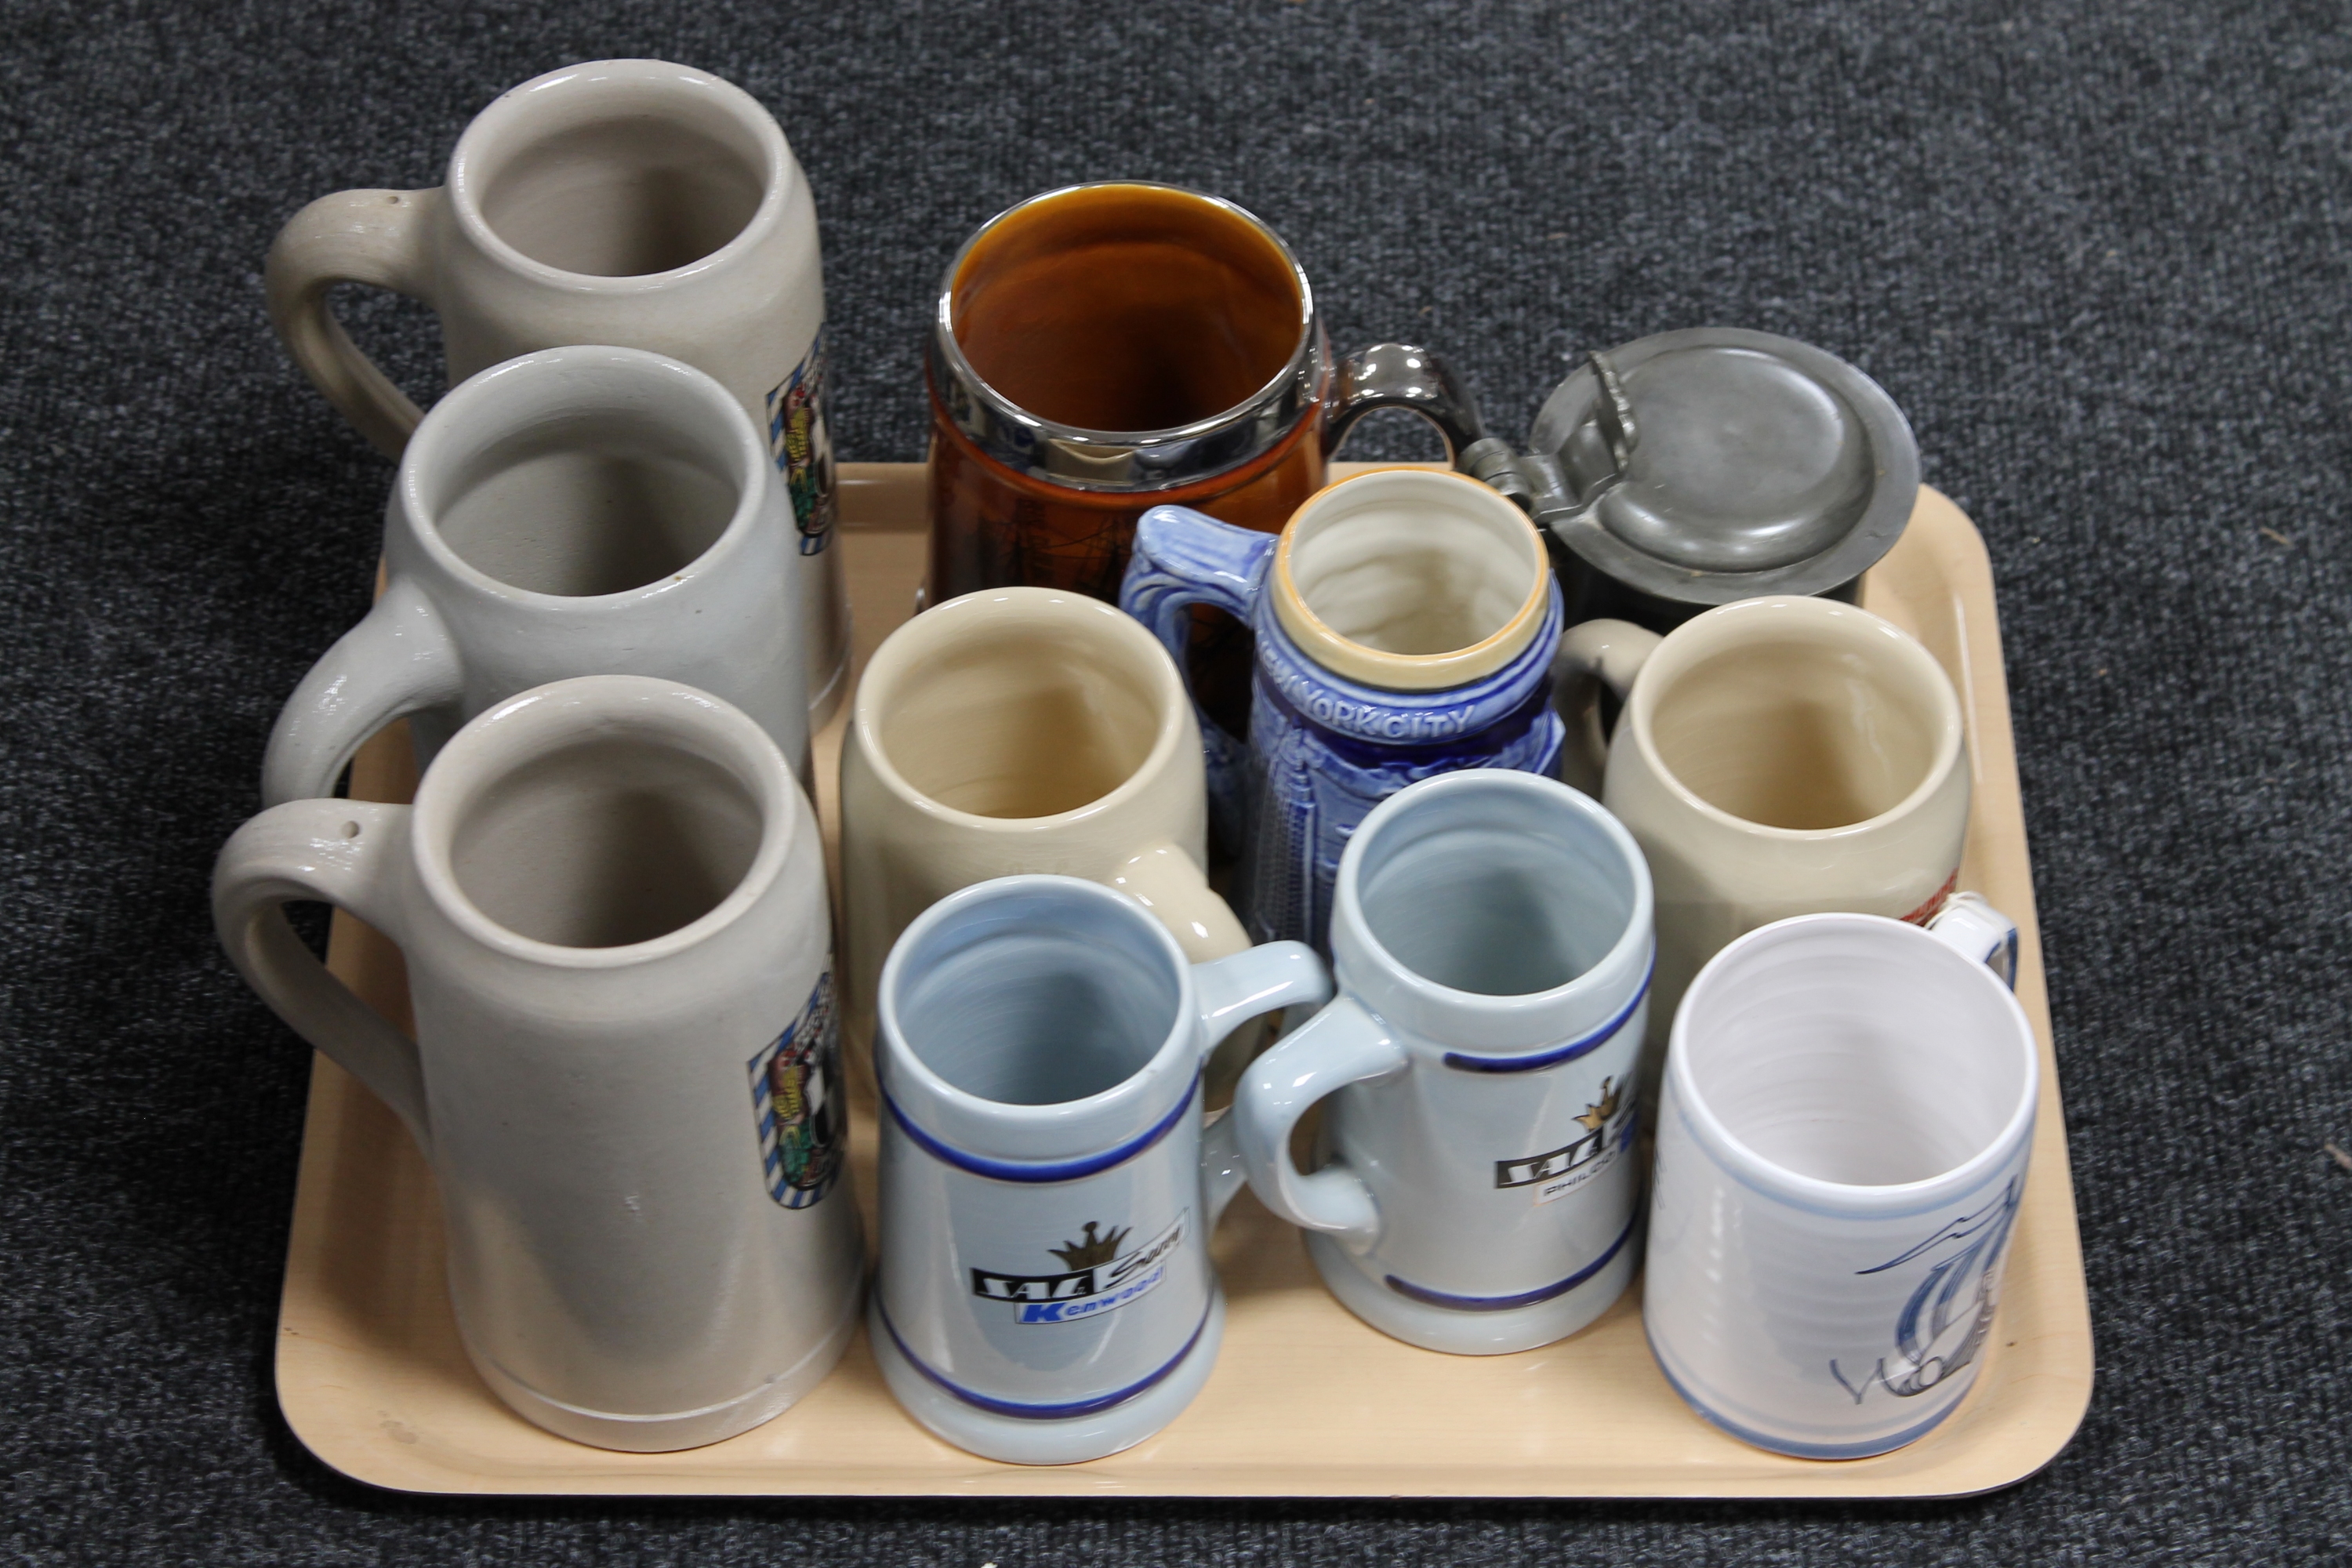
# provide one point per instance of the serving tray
(1305, 1401)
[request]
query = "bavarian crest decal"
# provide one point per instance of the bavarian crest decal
(1097, 1275)
(797, 1102)
(800, 439)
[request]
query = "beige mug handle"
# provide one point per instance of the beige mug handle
(352, 236)
(1172, 885)
(1609, 653)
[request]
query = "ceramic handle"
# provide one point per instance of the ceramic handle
(1971, 927)
(1609, 652)
(398, 659)
(347, 853)
(1342, 1044)
(1406, 376)
(1222, 1174)
(1232, 990)
(1172, 885)
(1184, 558)
(352, 236)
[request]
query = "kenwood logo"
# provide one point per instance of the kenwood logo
(1110, 1279)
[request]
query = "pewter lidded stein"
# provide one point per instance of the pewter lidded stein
(1697, 468)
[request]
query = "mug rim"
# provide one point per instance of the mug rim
(513, 109)
(1009, 434)
(1380, 668)
(1624, 960)
(547, 719)
(1883, 1200)
(901, 655)
(976, 1115)
(438, 428)
(1951, 725)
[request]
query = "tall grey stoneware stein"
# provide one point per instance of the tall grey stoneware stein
(1491, 946)
(627, 1078)
(635, 203)
(582, 511)
(1047, 1186)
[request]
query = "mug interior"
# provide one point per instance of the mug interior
(1400, 563)
(586, 500)
(1852, 1050)
(1036, 999)
(620, 179)
(1126, 307)
(614, 839)
(1023, 717)
(1498, 892)
(1798, 730)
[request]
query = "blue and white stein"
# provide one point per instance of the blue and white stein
(1047, 1189)
(1492, 948)
(1405, 619)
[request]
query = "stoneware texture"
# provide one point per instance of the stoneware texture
(625, 1076)
(1842, 1153)
(1405, 621)
(582, 511)
(1020, 729)
(1774, 757)
(1492, 950)
(1048, 1193)
(627, 202)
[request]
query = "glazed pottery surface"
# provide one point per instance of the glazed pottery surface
(1405, 622)
(1492, 952)
(1842, 1152)
(634, 202)
(610, 895)
(576, 512)
(1773, 757)
(1020, 729)
(1047, 1192)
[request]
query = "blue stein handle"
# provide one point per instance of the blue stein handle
(1184, 558)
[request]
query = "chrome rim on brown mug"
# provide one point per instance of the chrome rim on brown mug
(1108, 347)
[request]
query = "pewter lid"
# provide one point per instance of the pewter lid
(1716, 464)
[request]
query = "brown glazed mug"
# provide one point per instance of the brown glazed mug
(1107, 347)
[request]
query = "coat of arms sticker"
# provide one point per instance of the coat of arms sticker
(799, 1105)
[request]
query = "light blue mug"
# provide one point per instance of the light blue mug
(1047, 1189)
(1492, 948)
(1405, 622)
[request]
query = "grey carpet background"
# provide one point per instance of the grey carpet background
(2098, 252)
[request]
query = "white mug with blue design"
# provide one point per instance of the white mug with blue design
(1047, 1188)
(625, 1072)
(1848, 1111)
(1491, 944)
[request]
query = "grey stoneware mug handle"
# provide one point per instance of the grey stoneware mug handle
(347, 853)
(1343, 1044)
(398, 660)
(1612, 653)
(1233, 992)
(352, 236)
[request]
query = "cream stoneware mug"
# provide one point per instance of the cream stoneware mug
(1775, 757)
(580, 510)
(625, 1074)
(629, 202)
(1048, 1188)
(1021, 730)
(1491, 946)
(1842, 1155)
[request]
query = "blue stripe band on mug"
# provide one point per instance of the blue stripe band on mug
(1042, 1170)
(1076, 1408)
(1790, 1445)
(1583, 1045)
(1429, 1298)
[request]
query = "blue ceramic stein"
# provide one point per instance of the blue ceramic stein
(1405, 619)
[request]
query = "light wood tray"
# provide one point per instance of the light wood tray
(1305, 1399)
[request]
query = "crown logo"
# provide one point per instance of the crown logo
(1093, 1249)
(1596, 1117)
